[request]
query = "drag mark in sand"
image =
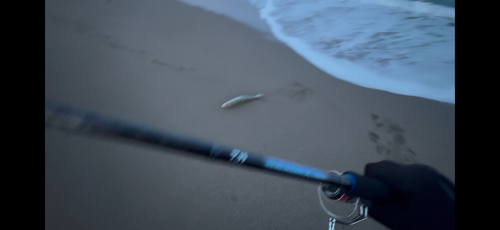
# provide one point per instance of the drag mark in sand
(78, 27)
(112, 42)
(170, 65)
(390, 141)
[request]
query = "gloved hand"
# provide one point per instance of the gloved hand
(424, 199)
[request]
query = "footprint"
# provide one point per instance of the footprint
(375, 120)
(399, 139)
(390, 141)
(296, 92)
(393, 128)
(373, 137)
(380, 149)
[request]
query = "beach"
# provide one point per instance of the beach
(169, 65)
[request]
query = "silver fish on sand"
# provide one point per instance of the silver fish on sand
(240, 99)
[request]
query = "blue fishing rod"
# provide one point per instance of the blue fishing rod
(347, 187)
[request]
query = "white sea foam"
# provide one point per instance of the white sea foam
(401, 46)
(404, 47)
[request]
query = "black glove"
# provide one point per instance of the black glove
(424, 199)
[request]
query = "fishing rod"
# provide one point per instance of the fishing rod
(347, 187)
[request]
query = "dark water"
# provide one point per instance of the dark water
(450, 3)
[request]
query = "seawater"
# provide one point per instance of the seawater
(400, 46)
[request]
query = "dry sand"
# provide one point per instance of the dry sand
(171, 66)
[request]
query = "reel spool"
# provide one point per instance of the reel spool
(335, 194)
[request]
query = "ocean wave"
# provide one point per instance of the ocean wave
(404, 47)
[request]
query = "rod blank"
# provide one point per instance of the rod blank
(70, 119)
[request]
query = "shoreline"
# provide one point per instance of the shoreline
(247, 14)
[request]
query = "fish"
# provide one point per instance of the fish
(240, 99)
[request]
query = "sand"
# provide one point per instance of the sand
(171, 66)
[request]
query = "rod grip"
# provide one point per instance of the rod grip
(369, 189)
